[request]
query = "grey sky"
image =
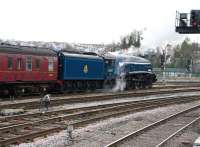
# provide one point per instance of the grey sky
(91, 21)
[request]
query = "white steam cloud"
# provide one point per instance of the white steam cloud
(120, 81)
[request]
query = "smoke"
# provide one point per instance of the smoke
(120, 84)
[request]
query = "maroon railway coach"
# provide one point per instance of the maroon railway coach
(27, 69)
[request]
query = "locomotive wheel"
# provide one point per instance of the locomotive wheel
(88, 85)
(128, 85)
(68, 86)
(81, 85)
(150, 85)
(98, 86)
(133, 85)
(137, 85)
(92, 86)
(143, 85)
(84, 85)
(75, 86)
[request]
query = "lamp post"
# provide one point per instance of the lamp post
(163, 64)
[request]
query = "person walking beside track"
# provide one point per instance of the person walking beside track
(45, 102)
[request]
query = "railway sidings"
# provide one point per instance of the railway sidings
(27, 127)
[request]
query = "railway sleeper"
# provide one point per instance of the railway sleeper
(110, 114)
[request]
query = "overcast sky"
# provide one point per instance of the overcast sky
(92, 21)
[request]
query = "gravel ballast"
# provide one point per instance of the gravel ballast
(101, 133)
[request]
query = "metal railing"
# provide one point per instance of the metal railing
(176, 74)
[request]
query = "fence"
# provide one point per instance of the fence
(176, 74)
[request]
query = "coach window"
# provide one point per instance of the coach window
(37, 64)
(10, 63)
(29, 63)
(50, 64)
(19, 64)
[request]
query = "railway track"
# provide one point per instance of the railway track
(158, 85)
(28, 127)
(169, 140)
(31, 104)
(160, 133)
(174, 82)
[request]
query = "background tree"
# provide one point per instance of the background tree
(132, 39)
(182, 53)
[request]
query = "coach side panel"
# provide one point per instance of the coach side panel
(27, 68)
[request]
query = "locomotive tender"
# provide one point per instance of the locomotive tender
(27, 69)
(80, 71)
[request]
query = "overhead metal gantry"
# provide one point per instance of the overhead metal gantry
(188, 23)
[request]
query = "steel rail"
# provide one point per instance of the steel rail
(149, 127)
(177, 133)
(89, 98)
(80, 123)
(98, 91)
(134, 103)
(96, 110)
(7, 118)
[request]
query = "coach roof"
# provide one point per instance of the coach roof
(29, 50)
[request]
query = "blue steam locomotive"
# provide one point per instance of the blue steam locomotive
(86, 71)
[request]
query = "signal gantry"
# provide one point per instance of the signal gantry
(188, 23)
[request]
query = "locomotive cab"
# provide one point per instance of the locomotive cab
(109, 66)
